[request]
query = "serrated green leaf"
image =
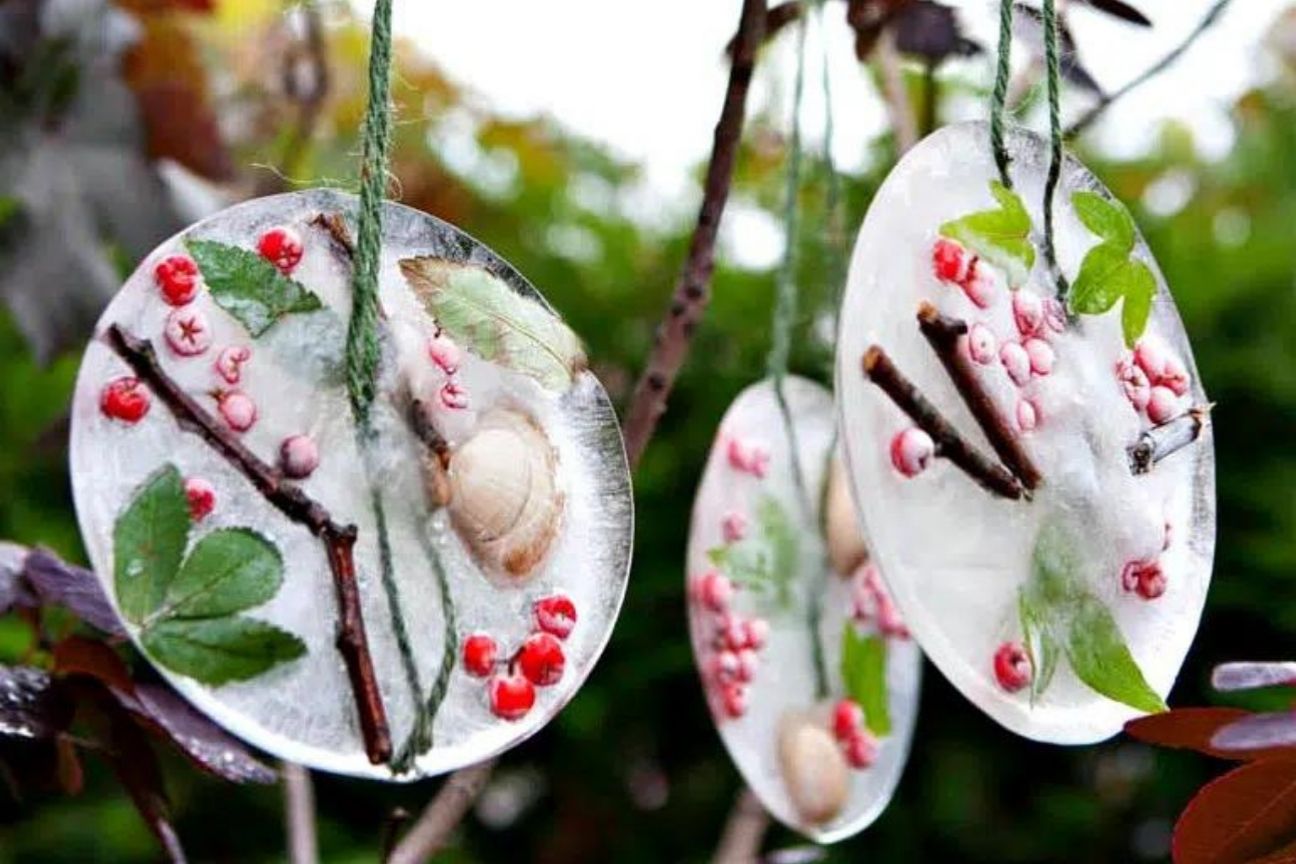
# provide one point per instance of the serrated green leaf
(481, 312)
(1101, 280)
(149, 540)
(1139, 294)
(1101, 659)
(249, 287)
(863, 671)
(1106, 219)
(228, 571)
(1001, 236)
(220, 650)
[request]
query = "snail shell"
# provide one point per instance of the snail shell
(846, 549)
(814, 769)
(504, 496)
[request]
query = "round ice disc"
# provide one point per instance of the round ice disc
(225, 489)
(1035, 475)
(810, 675)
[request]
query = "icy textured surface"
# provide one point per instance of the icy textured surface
(956, 557)
(784, 683)
(303, 710)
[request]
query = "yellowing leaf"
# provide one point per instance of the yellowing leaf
(1001, 236)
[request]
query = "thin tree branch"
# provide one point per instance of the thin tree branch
(299, 814)
(289, 499)
(1208, 21)
(692, 290)
(431, 832)
(898, 103)
(743, 832)
(1161, 441)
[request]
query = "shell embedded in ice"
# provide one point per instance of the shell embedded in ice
(526, 448)
(766, 612)
(971, 571)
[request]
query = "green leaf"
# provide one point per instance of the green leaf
(148, 542)
(219, 650)
(1044, 656)
(228, 571)
(1139, 293)
(249, 287)
(1107, 219)
(481, 312)
(1100, 658)
(766, 562)
(1001, 236)
(863, 671)
(1102, 280)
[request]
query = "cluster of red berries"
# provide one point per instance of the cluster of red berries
(1145, 576)
(749, 457)
(538, 662)
(733, 654)
(1012, 667)
(1154, 380)
(858, 745)
(872, 604)
(443, 351)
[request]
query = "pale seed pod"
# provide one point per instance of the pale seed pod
(846, 549)
(814, 769)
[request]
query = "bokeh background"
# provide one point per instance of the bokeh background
(121, 121)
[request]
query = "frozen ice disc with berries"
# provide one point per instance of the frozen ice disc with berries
(809, 671)
(481, 524)
(1031, 452)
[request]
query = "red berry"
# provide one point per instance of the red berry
(981, 344)
(848, 718)
(444, 353)
(1028, 312)
(299, 456)
(1145, 578)
(733, 698)
(1027, 415)
(1041, 356)
(541, 659)
(861, 750)
(1012, 668)
(757, 633)
(1151, 354)
(282, 247)
(177, 277)
(912, 451)
(555, 614)
(511, 696)
(1016, 362)
(723, 666)
(479, 653)
(125, 399)
(748, 663)
(229, 363)
(749, 457)
(201, 496)
(715, 591)
(733, 633)
(454, 396)
(1175, 376)
(187, 332)
(1134, 382)
(950, 261)
(979, 285)
(237, 409)
(1163, 405)
(734, 526)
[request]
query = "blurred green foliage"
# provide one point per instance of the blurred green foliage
(633, 770)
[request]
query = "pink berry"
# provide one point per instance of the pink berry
(733, 633)
(734, 526)
(757, 633)
(125, 399)
(541, 659)
(950, 261)
(282, 247)
(1134, 382)
(1151, 354)
(861, 750)
(454, 396)
(1055, 315)
(1041, 356)
(187, 332)
(444, 353)
(555, 614)
(848, 719)
(979, 285)
(229, 363)
(912, 451)
(201, 496)
(1012, 668)
(1163, 405)
(1145, 578)
(237, 409)
(748, 662)
(1016, 362)
(723, 666)
(981, 344)
(734, 699)
(1028, 312)
(1027, 415)
(479, 654)
(715, 591)
(1175, 376)
(749, 457)
(177, 277)
(511, 696)
(299, 456)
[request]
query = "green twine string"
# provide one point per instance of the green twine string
(1054, 78)
(362, 351)
(1000, 97)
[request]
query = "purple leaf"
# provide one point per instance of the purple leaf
(30, 707)
(13, 588)
(1250, 676)
(1259, 731)
(78, 589)
(931, 31)
(206, 744)
(137, 769)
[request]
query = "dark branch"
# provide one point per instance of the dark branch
(289, 499)
(1161, 441)
(879, 369)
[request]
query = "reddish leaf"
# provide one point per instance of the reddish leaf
(1248, 813)
(54, 582)
(136, 767)
(1285, 855)
(1252, 676)
(71, 779)
(78, 655)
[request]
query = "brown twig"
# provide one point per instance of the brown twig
(943, 333)
(289, 499)
(335, 226)
(898, 103)
(299, 814)
(431, 831)
(1170, 437)
(743, 832)
(949, 444)
(692, 290)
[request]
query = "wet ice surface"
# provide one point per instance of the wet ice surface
(303, 710)
(954, 556)
(784, 682)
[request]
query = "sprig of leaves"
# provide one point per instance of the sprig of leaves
(863, 671)
(1059, 615)
(186, 606)
(248, 286)
(766, 561)
(1000, 236)
(1108, 273)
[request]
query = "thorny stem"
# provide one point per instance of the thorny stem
(1170, 437)
(943, 334)
(289, 499)
(879, 369)
(692, 290)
